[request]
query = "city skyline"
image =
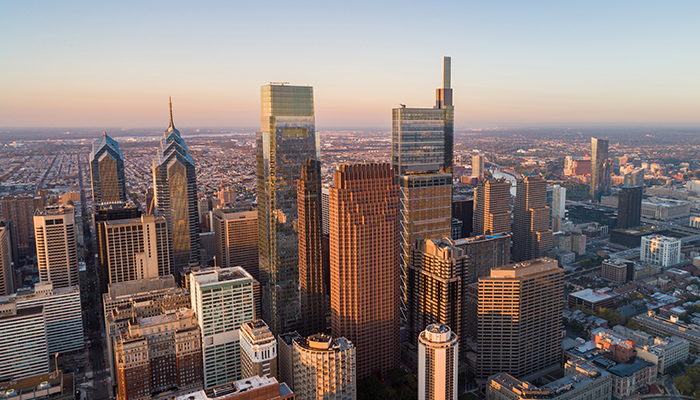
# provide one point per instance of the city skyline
(539, 64)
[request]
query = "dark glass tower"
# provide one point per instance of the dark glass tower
(601, 168)
(287, 139)
(175, 183)
(629, 210)
(107, 171)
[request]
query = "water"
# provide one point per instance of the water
(498, 174)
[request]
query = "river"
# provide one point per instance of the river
(498, 174)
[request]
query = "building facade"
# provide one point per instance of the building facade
(107, 171)
(600, 168)
(629, 209)
(519, 319)
(7, 270)
(223, 300)
(364, 263)
(23, 344)
(287, 139)
(324, 368)
(660, 250)
(175, 193)
(56, 247)
(236, 239)
(532, 237)
(253, 388)
(19, 211)
(258, 350)
(438, 353)
(558, 201)
(492, 207)
(478, 166)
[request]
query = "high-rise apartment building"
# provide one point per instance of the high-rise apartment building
(223, 301)
(364, 259)
(23, 348)
(175, 184)
(629, 207)
(519, 319)
(324, 368)
(138, 299)
(312, 294)
(62, 314)
(19, 211)
(7, 270)
(236, 239)
(484, 253)
(660, 250)
(558, 201)
(422, 159)
(157, 354)
(258, 350)
(107, 171)
(135, 248)
(438, 352)
(532, 237)
(492, 207)
(478, 166)
(56, 247)
(600, 168)
(436, 274)
(287, 139)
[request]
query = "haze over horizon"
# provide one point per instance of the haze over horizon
(514, 64)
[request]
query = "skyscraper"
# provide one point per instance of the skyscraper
(7, 271)
(287, 139)
(104, 213)
(532, 237)
(364, 257)
(311, 279)
(519, 319)
(438, 352)
(629, 209)
(56, 247)
(324, 368)
(492, 207)
(223, 301)
(107, 171)
(23, 342)
(463, 210)
(422, 158)
(175, 183)
(478, 166)
(18, 211)
(558, 202)
(236, 239)
(600, 168)
(258, 350)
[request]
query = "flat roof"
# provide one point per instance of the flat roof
(590, 295)
(628, 368)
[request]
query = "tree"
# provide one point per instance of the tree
(684, 385)
(675, 368)
(693, 373)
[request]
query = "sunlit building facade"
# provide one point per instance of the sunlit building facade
(438, 353)
(532, 237)
(287, 139)
(56, 247)
(107, 171)
(7, 271)
(492, 207)
(601, 168)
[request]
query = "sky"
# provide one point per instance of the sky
(514, 63)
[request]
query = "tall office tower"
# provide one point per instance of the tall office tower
(138, 299)
(532, 237)
(311, 291)
(107, 171)
(492, 207)
(158, 354)
(478, 166)
(438, 353)
(325, 245)
(134, 249)
(635, 178)
(175, 183)
(258, 350)
(463, 210)
(600, 173)
(483, 254)
(287, 138)
(324, 368)
(62, 314)
(364, 257)
(236, 239)
(56, 248)
(285, 358)
(519, 319)
(23, 349)
(435, 276)
(422, 142)
(558, 202)
(7, 270)
(223, 301)
(19, 212)
(629, 209)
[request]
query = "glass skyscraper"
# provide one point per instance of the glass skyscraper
(107, 171)
(601, 168)
(287, 139)
(175, 183)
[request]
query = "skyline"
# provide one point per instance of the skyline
(544, 64)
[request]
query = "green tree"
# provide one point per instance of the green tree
(684, 385)
(693, 373)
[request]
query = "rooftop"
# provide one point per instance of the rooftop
(230, 389)
(629, 368)
(525, 268)
(590, 295)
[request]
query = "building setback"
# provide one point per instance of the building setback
(532, 237)
(107, 171)
(364, 258)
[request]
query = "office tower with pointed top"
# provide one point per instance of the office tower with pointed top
(600, 168)
(532, 237)
(175, 183)
(56, 247)
(421, 156)
(287, 139)
(364, 258)
(492, 207)
(107, 171)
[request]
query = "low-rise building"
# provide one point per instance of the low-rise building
(631, 376)
(251, 388)
(670, 326)
(665, 210)
(48, 386)
(617, 270)
(590, 298)
(621, 349)
(665, 352)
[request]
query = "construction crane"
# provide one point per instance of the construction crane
(585, 152)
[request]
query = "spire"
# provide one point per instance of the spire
(104, 133)
(171, 112)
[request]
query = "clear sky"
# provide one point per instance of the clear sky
(515, 63)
